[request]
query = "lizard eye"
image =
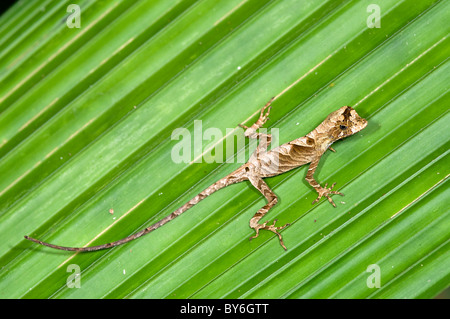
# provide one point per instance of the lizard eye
(343, 127)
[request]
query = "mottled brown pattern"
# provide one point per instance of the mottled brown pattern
(263, 163)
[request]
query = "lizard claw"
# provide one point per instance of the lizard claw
(325, 191)
(263, 118)
(273, 229)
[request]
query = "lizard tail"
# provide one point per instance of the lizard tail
(235, 177)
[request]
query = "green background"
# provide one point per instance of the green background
(86, 117)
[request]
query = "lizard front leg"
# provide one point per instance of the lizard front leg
(272, 199)
(322, 191)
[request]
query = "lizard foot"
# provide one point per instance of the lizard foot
(324, 191)
(264, 117)
(272, 228)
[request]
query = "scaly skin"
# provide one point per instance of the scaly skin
(262, 163)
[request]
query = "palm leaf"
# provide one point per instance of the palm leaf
(86, 151)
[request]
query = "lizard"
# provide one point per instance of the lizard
(265, 163)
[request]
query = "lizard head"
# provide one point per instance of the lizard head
(344, 122)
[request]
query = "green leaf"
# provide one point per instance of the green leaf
(86, 147)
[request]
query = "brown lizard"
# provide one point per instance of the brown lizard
(263, 163)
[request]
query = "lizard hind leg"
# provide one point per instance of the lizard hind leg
(272, 200)
(250, 132)
(272, 228)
